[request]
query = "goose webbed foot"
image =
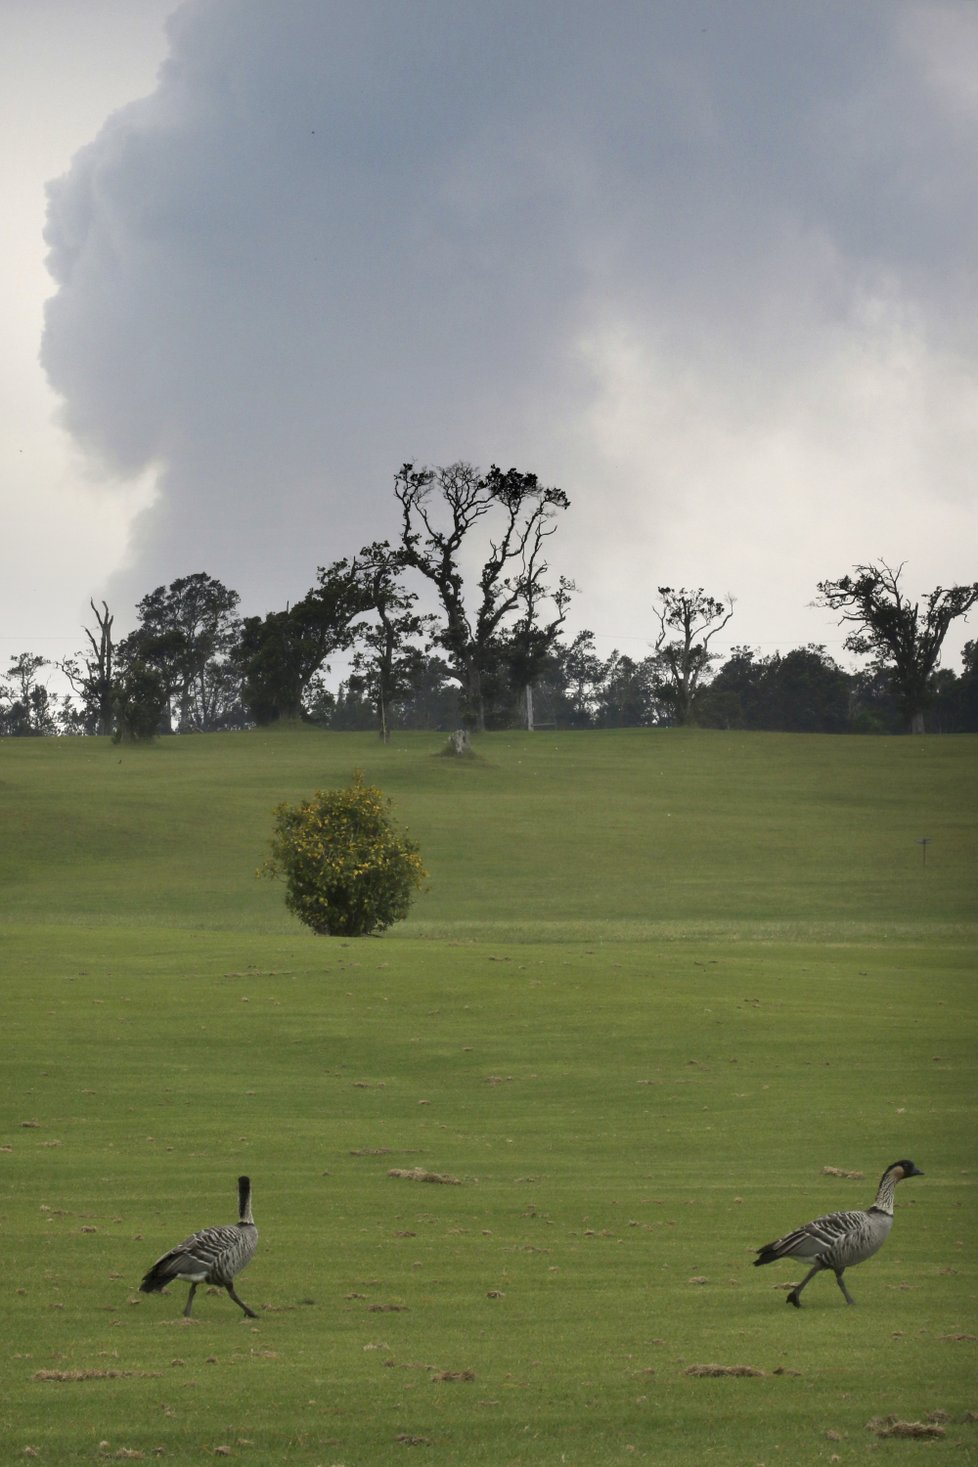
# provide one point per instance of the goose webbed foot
(241, 1303)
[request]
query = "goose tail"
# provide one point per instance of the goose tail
(156, 1279)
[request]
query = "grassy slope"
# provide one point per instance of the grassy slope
(659, 981)
(546, 836)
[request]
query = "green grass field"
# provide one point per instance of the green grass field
(659, 982)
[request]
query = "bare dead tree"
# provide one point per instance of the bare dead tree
(440, 509)
(92, 678)
(688, 621)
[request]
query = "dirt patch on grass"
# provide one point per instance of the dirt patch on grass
(384, 1151)
(96, 1374)
(891, 1426)
(420, 1174)
(715, 1370)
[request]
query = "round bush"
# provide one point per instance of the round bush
(348, 871)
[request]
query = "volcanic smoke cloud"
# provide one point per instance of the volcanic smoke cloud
(708, 267)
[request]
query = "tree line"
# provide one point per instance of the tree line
(495, 653)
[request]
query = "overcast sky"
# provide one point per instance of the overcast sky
(707, 265)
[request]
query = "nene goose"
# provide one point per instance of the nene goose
(212, 1256)
(840, 1239)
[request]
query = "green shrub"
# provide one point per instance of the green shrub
(348, 871)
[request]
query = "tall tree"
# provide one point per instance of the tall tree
(579, 674)
(873, 706)
(802, 691)
(810, 693)
(389, 658)
(92, 673)
(430, 698)
(735, 698)
(29, 711)
(140, 701)
(956, 704)
(904, 636)
(185, 634)
(527, 650)
(280, 654)
(274, 671)
(440, 510)
(627, 694)
(688, 621)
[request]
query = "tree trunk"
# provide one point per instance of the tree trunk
(917, 722)
(473, 710)
(103, 650)
(529, 708)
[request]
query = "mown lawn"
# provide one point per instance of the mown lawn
(658, 984)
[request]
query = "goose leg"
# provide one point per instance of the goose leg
(241, 1303)
(793, 1296)
(841, 1282)
(190, 1300)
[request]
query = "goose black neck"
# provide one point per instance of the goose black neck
(244, 1199)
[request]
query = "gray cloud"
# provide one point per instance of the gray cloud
(706, 266)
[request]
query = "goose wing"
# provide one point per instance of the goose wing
(814, 1238)
(194, 1259)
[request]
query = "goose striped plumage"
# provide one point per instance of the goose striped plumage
(839, 1240)
(212, 1256)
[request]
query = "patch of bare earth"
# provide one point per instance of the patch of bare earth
(892, 1426)
(715, 1370)
(96, 1374)
(420, 1174)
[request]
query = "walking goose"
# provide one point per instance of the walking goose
(840, 1239)
(212, 1256)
